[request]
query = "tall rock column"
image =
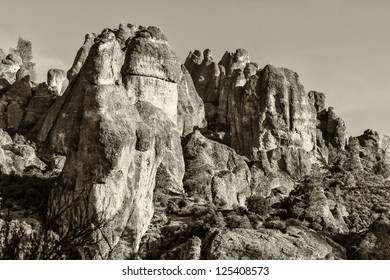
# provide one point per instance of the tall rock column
(117, 124)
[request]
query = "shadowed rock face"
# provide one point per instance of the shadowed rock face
(81, 56)
(23, 105)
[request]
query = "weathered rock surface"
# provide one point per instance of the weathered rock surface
(373, 244)
(331, 130)
(273, 111)
(56, 81)
(22, 106)
(215, 172)
(37, 107)
(270, 244)
(141, 176)
(13, 103)
(9, 66)
(122, 140)
(81, 56)
(18, 157)
(321, 212)
(190, 107)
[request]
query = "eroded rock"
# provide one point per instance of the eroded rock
(296, 243)
(215, 172)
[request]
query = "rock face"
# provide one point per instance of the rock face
(139, 157)
(13, 103)
(22, 106)
(273, 117)
(270, 244)
(215, 173)
(265, 114)
(81, 56)
(17, 156)
(118, 126)
(190, 109)
(331, 130)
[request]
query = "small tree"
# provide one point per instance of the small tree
(386, 146)
(24, 49)
(258, 205)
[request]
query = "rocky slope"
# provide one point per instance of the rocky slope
(138, 156)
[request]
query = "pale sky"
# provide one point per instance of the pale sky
(339, 47)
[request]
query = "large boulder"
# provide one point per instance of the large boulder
(297, 243)
(9, 66)
(56, 81)
(215, 172)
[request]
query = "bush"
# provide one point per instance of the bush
(20, 241)
(293, 222)
(258, 205)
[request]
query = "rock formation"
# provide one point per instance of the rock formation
(270, 244)
(22, 105)
(140, 157)
(123, 140)
(56, 81)
(9, 66)
(215, 173)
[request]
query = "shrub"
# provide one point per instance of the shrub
(258, 205)
(293, 222)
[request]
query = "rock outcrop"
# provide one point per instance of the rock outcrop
(56, 81)
(270, 244)
(13, 103)
(9, 66)
(117, 124)
(331, 130)
(215, 173)
(264, 114)
(140, 157)
(18, 157)
(81, 56)
(23, 105)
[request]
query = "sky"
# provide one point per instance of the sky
(339, 47)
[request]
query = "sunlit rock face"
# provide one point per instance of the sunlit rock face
(215, 173)
(263, 114)
(270, 244)
(9, 66)
(56, 81)
(117, 124)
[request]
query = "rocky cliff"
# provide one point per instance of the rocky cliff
(139, 156)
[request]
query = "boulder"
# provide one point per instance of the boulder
(9, 66)
(56, 81)
(215, 172)
(18, 157)
(296, 243)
